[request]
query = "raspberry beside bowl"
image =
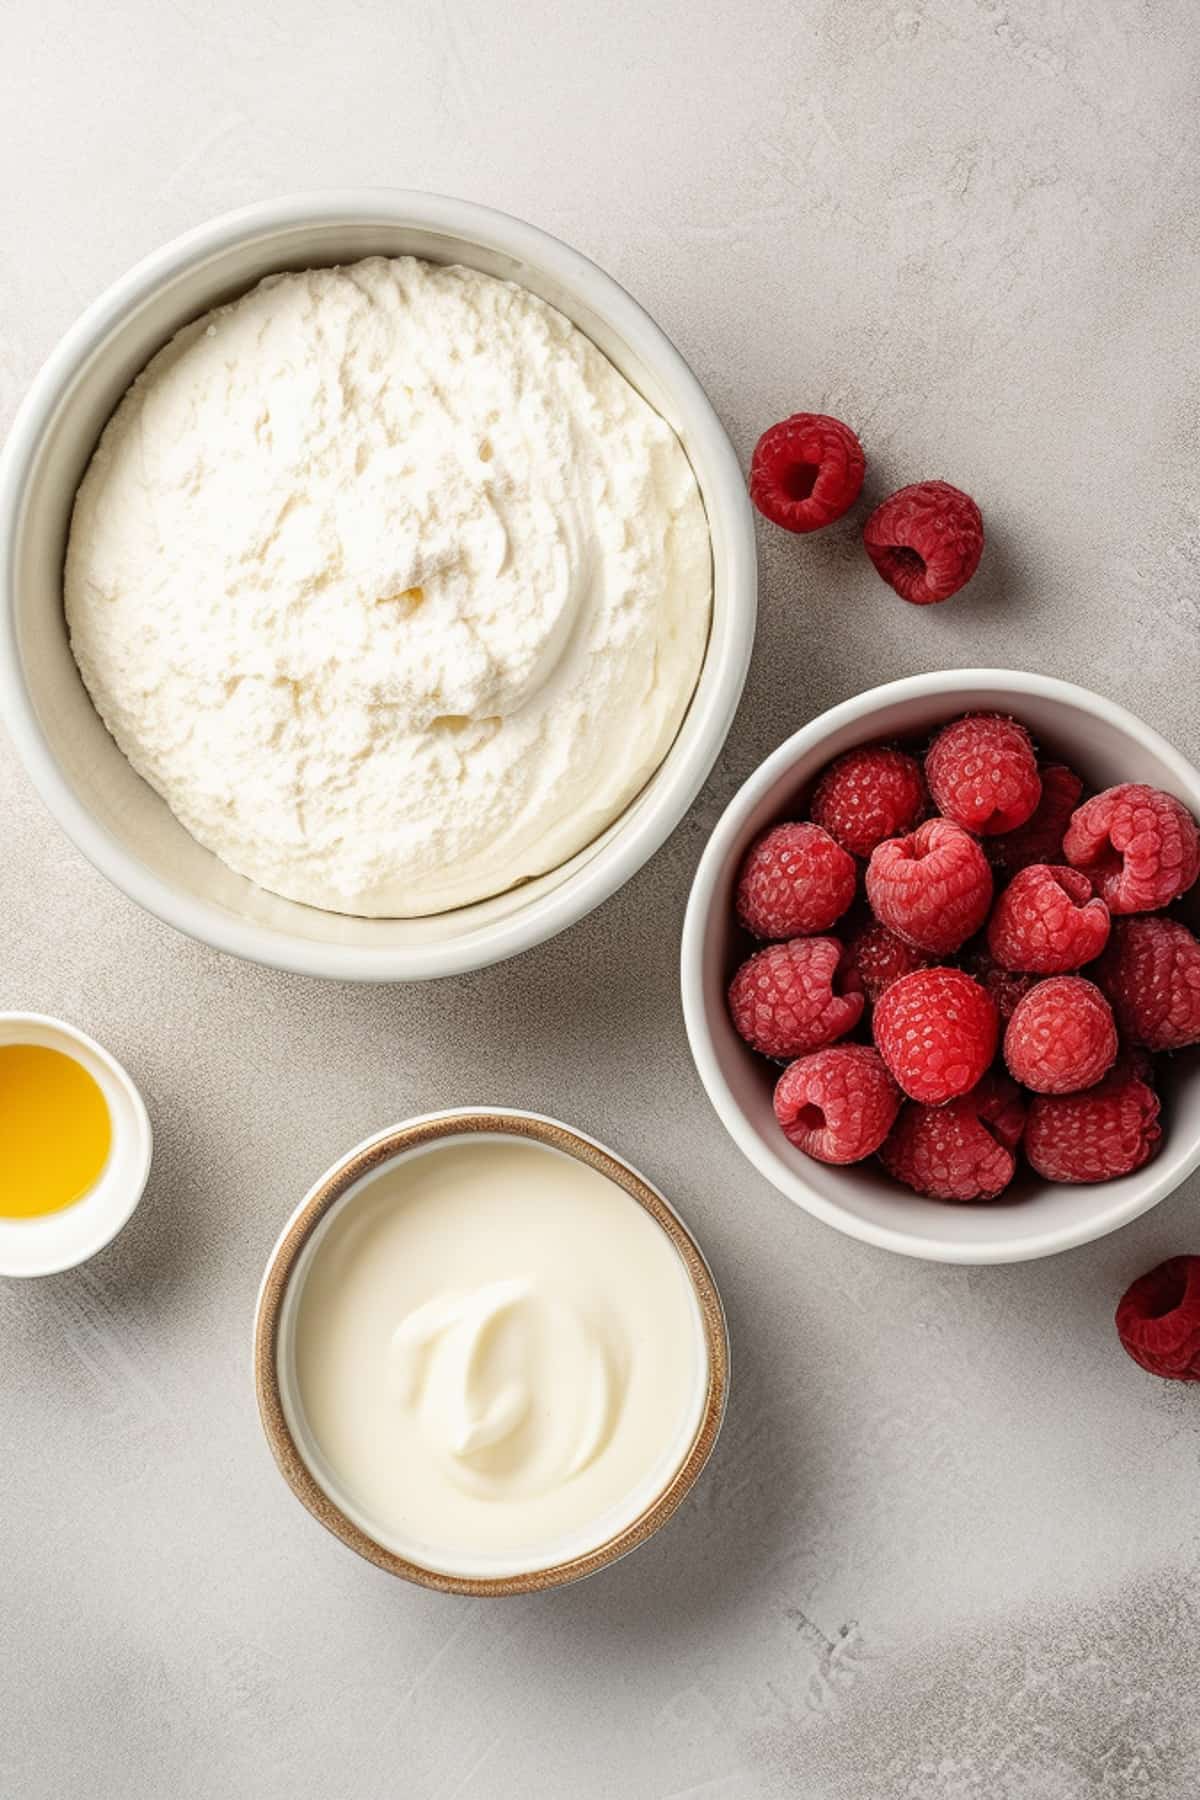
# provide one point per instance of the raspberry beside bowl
(1035, 1218)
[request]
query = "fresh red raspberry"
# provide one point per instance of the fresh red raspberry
(1135, 1063)
(869, 795)
(837, 1105)
(933, 888)
(806, 471)
(1005, 987)
(794, 881)
(964, 1150)
(1139, 845)
(936, 1030)
(1040, 839)
(1158, 1319)
(878, 957)
(983, 774)
(792, 998)
(1110, 1130)
(1047, 921)
(1151, 974)
(925, 541)
(1062, 1036)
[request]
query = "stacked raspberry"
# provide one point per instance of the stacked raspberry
(1001, 942)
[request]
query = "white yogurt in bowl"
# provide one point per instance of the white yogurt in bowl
(490, 1357)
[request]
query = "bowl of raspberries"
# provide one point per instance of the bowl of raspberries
(940, 969)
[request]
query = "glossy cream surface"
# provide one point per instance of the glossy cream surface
(499, 1357)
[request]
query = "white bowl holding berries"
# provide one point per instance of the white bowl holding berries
(861, 989)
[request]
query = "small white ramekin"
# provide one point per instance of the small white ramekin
(109, 812)
(1106, 745)
(60, 1240)
(282, 1413)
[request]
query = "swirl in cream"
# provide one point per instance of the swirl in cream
(514, 1389)
(499, 1358)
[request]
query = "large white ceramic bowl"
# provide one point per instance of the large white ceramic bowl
(112, 815)
(1105, 744)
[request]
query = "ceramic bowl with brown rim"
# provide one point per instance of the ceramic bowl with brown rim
(339, 1219)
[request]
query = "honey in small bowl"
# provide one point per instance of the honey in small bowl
(55, 1131)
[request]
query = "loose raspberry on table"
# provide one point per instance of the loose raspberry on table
(1040, 839)
(933, 888)
(1110, 1130)
(925, 541)
(1047, 921)
(806, 471)
(795, 880)
(1006, 987)
(878, 957)
(1151, 974)
(869, 795)
(983, 774)
(936, 1030)
(792, 998)
(1140, 847)
(1158, 1319)
(964, 1150)
(837, 1105)
(1062, 1036)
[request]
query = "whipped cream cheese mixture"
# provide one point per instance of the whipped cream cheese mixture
(390, 584)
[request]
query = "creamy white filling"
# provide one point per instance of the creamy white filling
(498, 1355)
(390, 584)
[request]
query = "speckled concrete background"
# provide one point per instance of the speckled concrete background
(950, 1545)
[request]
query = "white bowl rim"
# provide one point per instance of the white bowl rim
(117, 1214)
(654, 820)
(1161, 1178)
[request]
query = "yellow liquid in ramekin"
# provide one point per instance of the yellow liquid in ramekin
(55, 1131)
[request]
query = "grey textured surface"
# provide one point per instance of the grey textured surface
(949, 1546)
